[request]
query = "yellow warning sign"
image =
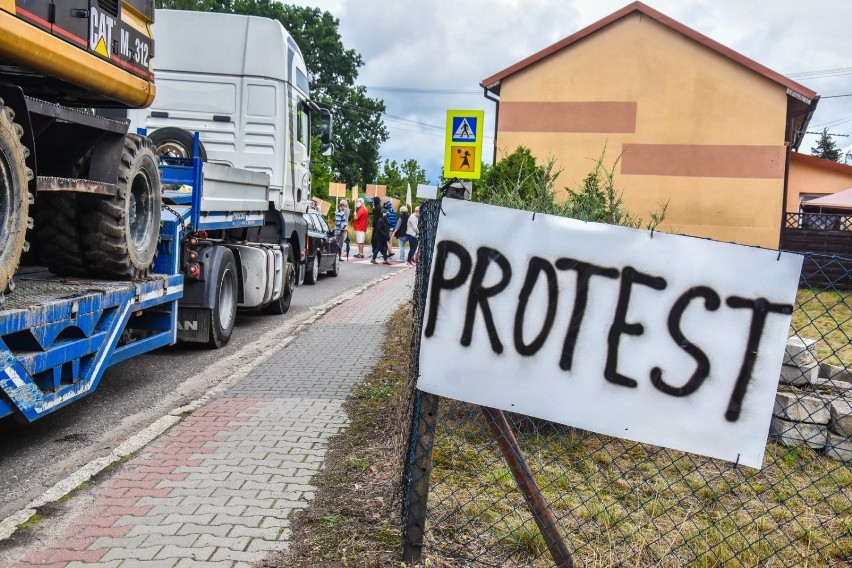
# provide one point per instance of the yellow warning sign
(463, 144)
(463, 159)
(101, 48)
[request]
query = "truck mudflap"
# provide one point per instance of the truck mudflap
(59, 335)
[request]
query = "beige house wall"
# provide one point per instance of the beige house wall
(810, 175)
(706, 134)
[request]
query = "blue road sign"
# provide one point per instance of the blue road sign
(464, 129)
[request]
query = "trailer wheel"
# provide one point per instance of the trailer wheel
(174, 142)
(58, 235)
(224, 311)
(282, 304)
(121, 232)
(312, 272)
(15, 198)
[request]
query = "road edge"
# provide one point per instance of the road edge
(133, 444)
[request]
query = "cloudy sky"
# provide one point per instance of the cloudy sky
(423, 57)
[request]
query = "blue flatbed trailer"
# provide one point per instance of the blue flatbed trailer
(58, 335)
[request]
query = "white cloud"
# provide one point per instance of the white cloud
(432, 44)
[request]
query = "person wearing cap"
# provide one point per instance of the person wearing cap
(391, 223)
(359, 223)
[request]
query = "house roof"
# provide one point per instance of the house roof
(794, 89)
(839, 200)
(821, 163)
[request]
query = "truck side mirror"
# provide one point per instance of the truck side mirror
(327, 132)
(327, 150)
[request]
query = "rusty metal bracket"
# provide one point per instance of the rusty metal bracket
(75, 185)
(538, 505)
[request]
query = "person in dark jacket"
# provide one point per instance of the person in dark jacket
(376, 214)
(381, 236)
(377, 211)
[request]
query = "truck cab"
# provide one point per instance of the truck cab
(241, 83)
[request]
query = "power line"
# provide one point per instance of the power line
(835, 72)
(414, 125)
(421, 90)
(835, 122)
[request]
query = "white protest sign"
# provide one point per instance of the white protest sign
(427, 191)
(658, 338)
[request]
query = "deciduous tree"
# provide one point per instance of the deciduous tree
(398, 177)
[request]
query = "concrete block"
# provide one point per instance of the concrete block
(836, 373)
(837, 387)
(798, 376)
(794, 434)
(841, 416)
(796, 407)
(838, 448)
(800, 352)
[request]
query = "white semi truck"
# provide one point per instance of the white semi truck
(241, 83)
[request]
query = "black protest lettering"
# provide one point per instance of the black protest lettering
(441, 282)
(536, 267)
(478, 295)
(760, 308)
(585, 271)
(629, 276)
(702, 368)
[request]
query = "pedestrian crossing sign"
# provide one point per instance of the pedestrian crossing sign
(463, 144)
(464, 128)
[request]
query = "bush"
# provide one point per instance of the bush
(518, 182)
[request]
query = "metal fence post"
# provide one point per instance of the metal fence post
(425, 407)
(420, 467)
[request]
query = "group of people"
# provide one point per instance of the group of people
(386, 225)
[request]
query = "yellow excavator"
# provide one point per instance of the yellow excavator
(74, 183)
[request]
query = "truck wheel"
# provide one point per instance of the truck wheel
(14, 197)
(121, 232)
(57, 234)
(224, 311)
(282, 304)
(335, 268)
(172, 142)
(312, 272)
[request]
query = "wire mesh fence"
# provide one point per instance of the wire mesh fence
(622, 503)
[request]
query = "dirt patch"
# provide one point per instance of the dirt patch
(355, 517)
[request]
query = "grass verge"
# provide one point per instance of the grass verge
(827, 317)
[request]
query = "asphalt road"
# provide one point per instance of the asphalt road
(133, 394)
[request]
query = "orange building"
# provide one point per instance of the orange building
(694, 123)
(812, 177)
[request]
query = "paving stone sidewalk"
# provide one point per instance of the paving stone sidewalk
(219, 488)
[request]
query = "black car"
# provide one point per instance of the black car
(323, 252)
